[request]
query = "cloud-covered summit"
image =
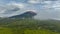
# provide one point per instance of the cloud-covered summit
(46, 9)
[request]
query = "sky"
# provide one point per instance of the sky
(45, 9)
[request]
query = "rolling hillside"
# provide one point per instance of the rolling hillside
(29, 26)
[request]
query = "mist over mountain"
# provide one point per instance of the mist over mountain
(45, 9)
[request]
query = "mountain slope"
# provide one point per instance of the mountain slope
(29, 26)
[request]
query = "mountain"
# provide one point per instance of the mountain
(28, 14)
(28, 26)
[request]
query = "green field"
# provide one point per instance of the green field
(26, 31)
(29, 26)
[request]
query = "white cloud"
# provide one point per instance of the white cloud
(11, 9)
(34, 1)
(20, 5)
(51, 4)
(50, 10)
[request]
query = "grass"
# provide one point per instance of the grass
(39, 32)
(4, 30)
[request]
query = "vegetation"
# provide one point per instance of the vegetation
(29, 26)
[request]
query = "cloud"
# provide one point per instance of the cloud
(34, 1)
(45, 9)
(11, 9)
(50, 10)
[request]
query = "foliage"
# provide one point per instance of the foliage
(29, 26)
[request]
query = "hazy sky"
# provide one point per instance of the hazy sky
(45, 9)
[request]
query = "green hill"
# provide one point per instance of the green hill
(29, 26)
